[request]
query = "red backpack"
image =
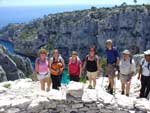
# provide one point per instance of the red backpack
(74, 67)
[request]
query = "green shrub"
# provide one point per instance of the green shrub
(7, 85)
(83, 79)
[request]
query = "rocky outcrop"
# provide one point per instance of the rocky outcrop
(2, 75)
(22, 63)
(24, 96)
(13, 66)
(127, 26)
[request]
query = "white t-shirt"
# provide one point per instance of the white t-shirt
(145, 70)
(126, 67)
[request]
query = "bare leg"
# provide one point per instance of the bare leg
(94, 82)
(128, 88)
(122, 86)
(42, 82)
(90, 80)
(111, 80)
(48, 81)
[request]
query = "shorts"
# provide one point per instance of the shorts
(110, 71)
(74, 78)
(92, 75)
(43, 76)
(125, 78)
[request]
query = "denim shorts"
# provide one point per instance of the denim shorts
(43, 76)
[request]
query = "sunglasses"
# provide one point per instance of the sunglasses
(74, 54)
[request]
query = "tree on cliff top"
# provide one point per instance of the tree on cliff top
(135, 1)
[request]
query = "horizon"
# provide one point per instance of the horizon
(16, 3)
(25, 14)
(25, 11)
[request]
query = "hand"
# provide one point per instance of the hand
(61, 70)
(138, 77)
(118, 77)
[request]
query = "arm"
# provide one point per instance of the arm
(133, 67)
(68, 65)
(118, 61)
(36, 67)
(50, 64)
(98, 65)
(80, 69)
(63, 65)
(140, 72)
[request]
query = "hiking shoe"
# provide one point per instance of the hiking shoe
(90, 87)
(110, 91)
(108, 87)
(122, 92)
(127, 95)
(47, 90)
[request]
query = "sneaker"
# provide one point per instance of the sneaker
(127, 95)
(47, 90)
(122, 92)
(90, 87)
(108, 87)
(110, 91)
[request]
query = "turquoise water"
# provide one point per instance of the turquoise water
(65, 77)
(8, 45)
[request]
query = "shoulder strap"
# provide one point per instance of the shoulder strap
(131, 60)
(96, 58)
(38, 60)
(86, 58)
(143, 61)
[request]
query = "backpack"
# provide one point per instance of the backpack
(38, 60)
(46, 62)
(56, 67)
(95, 58)
(74, 68)
(148, 66)
(131, 58)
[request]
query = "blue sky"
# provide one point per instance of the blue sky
(67, 2)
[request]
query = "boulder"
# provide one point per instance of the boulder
(3, 76)
(23, 64)
(14, 67)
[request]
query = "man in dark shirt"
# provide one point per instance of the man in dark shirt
(112, 62)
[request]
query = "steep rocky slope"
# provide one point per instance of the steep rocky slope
(128, 26)
(12, 66)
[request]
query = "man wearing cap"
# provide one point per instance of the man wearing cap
(144, 74)
(127, 69)
(112, 61)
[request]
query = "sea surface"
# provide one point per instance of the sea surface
(28, 13)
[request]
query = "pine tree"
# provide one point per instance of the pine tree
(135, 1)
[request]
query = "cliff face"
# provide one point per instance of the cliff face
(127, 26)
(13, 67)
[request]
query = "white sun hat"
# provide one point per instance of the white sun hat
(126, 52)
(147, 52)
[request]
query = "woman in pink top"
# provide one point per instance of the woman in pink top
(42, 69)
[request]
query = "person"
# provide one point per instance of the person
(42, 69)
(56, 67)
(92, 66)
(144, 74)
(127, 69)
(112, 56)
(74, 67)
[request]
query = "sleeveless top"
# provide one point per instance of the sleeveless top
(91, 66)
(43, 66)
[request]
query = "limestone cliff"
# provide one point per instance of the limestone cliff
(127, 26)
